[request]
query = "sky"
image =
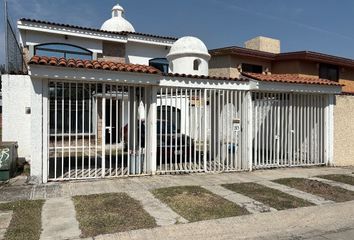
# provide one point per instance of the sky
(315, 25)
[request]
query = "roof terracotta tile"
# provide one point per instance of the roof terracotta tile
(98, 30)
(105, 65)
(290, 78)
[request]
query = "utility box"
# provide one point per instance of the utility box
(8, 160)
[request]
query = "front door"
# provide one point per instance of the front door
(111, 121)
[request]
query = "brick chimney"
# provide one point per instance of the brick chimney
(264, 44)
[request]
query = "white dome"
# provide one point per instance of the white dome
(189, 46)
(117, 23)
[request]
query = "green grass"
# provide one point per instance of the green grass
(26, 220)
(323, 190)
(197, 204)
(339, 178)
(110, 213)
(271, 197)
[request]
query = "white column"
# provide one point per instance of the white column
(329, 130)
(249, 130)
(151, 125)
(46, 130)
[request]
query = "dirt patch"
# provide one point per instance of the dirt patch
(326, 191)
(26, 222)
(196, 203)
(339, 178)
(271, 197)
(110, 213)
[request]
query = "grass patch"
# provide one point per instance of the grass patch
(326, 191)
(339, 178)
(110, 213)
(26, 220)
(197, 204)
(269, 196)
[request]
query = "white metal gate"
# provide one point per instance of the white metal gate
(96, 130)
(289, 129)
(201, 130)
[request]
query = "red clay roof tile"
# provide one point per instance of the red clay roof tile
(290, 78)
(105, 65)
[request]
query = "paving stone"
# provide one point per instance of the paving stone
(334, 183)
(59, 220)
(16, 193)
(296, 193)
(250, 204)
(163, 215)
(5, 219)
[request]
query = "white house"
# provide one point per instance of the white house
(112, 102)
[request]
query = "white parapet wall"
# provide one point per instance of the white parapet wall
(16, 123)
(23, 118)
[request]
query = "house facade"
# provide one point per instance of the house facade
(263, 56)
(113, 102)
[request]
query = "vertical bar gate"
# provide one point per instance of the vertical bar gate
(96, 130)
(288, 129)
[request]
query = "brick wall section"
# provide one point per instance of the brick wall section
(344, 131)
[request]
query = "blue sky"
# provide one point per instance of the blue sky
(317, 25)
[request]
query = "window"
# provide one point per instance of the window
(329, 72)
(196, 65)
(251, 68)
(170, 115)
(60, 50)
(159, 63)
(61, 96)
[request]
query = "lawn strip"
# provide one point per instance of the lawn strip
(339, 178)
(26, 222)
(195, 203)
(110, 213)
(269, 196)
(318, 188)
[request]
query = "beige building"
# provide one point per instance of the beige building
(263, 55)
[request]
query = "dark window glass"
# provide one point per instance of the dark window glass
(329, 72)
(78, 96)
(196, 65)
(60, 50)
(159, 63)
(251, 68)
(173, 115)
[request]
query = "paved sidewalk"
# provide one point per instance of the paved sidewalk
(163, 215)
(250, 204)
(59, 220)
(68, 189)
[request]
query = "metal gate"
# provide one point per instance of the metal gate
(288, 129)
(201, 130)
(96, 130)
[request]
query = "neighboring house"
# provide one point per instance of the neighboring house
(112, 102)
(262, 59)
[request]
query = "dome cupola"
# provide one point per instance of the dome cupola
(117, 23)
(189, 55)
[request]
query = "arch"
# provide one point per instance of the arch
(196, 64)
(62, 50)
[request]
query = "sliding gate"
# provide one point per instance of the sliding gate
(289, 129)
(201, 130)
(96, 130)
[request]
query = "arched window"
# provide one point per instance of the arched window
(60, 50)
(196, 65)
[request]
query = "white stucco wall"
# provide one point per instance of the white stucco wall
(139, 53)
(34, 38)
(16, 94)
(185, 65)
(21, 92)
